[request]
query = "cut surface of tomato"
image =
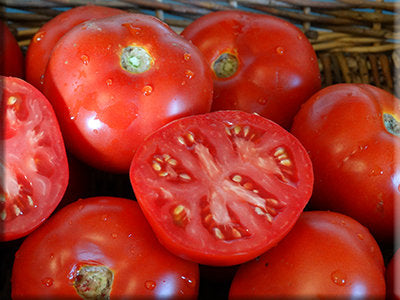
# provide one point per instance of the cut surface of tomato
(223, 187)
(34, 166)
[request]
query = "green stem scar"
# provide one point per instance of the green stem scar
(94, 282)
(391, 124)
(225, 65)
(136, 59)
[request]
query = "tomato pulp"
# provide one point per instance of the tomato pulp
(223, 187)
(34, 164)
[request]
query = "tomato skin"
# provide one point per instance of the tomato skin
(39, 50)
(277, 68)
(33, 161)
(353, 154)
(393, 277)
(11, 57)
(104, 110)
(326, 255)
(222, 187)
(102, 231)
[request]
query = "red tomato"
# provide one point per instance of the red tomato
(33, 161)
(351, 132)
(260, 63)
(11, 57)
(326, 255)
(393, 277)
(223, 187)
(39, 50)
(113, 81)
(100, 248)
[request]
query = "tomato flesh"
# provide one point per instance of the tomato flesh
(223, 187)
(34, 162)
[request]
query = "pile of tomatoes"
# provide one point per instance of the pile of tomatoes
(143, 163)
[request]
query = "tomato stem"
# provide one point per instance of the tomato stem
(391, 124)
(136, 59)
(94, 282)
(226, 65)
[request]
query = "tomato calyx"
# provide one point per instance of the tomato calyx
(225, 65)
(94, 282)
(136, 59)
(391, 124)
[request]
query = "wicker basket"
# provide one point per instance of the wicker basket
(357, 41)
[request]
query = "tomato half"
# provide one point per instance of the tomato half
(260, 63)
(34, 165)
(11, 57)
(43, 42)
(223, 187)
(326, 255)
(115, 80)
(100, 248)
(351, 132)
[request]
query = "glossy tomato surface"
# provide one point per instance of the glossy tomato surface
(43, 42)
(223, 187)
(326, 255)
(260, 63)
(351, 132)
(113, 81)
(11, 57)
(100, 247)
(393, 277)
(34, 167)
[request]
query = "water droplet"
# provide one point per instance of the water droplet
(147, 90)
(189, 74)
(51, 255)
(95, 131)
(104, 217)
(38, 36)
(42, 79)
(114, 235)
(360, 236)
(150, 285)
(262, 101)
(131, 236)
(72, 118)
(187, 56)
(280, 50)
(339, 278)
(188, 280)
(299, 37)
(85, 59)
(109, 82)
(47, 281)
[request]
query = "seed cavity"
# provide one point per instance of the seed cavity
(180, 215)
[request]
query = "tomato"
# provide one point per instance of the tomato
(351, 133)
(260, 63)
(223, 187)
(33, 163)
(11, 57)
(113, 81)
(43, 42)
(100, 248)
(393, 277)
(326, 255)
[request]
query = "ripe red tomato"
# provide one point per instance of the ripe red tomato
(34, 165)
(11, 57)
(45, 39)
(223, 187)
(113, 81)
(326, 255)
(100, 248)
(393, 277)
(260, 63)
(351, 132)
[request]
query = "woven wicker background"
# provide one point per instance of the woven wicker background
(355, 40)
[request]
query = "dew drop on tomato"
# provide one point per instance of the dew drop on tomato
(339, 278)
(150, 284)
(280, 50)
(48, 282)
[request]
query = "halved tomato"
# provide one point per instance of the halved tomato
(33, 163)
(223, 187)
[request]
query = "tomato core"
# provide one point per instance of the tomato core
(94, 282)
(391, 124)
(136, 59)
(225, 65)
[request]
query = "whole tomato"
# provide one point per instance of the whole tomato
(351, 132)
(260, 63)
(326, 255)
(45, 39)
(11, 57)
(100, 248)
(115, 80)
